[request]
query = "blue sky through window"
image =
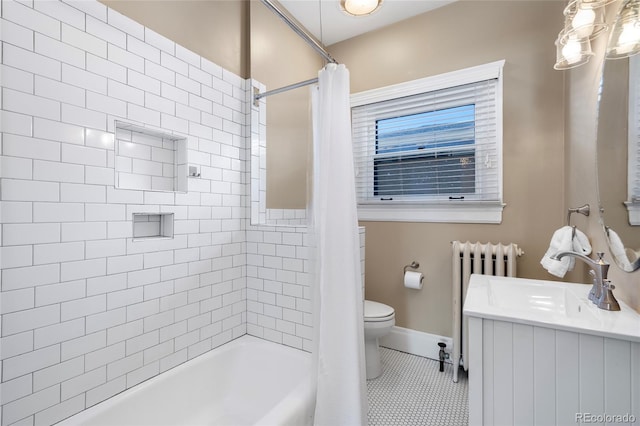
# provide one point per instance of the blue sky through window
(443, 128)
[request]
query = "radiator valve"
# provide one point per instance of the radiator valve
(442, 355)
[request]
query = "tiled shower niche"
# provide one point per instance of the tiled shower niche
(149, 159)
(152, 225)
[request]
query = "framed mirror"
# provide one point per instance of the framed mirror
(618, 160)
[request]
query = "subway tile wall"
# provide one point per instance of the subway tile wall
(88, 312)
(278, 285)
(287, 217)
(280, 275)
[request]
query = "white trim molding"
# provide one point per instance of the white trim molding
(438, 213)
(634, 212)
(428, 84)
(416, 342)
(633, 142)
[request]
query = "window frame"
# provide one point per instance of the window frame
(446, 211)
(633, 138)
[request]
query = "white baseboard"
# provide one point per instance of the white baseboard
(416, 342)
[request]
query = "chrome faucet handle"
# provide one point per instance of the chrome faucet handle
(604, 265)
(607, 300)
(598, 286)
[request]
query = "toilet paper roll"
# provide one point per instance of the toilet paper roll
(413, 280)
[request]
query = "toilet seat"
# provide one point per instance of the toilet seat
(377, 312)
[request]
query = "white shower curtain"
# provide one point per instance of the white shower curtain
(338, 302)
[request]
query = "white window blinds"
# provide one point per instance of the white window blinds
(435, 146)
(634, 129)
(633, 150)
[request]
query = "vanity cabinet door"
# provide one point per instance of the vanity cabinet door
(530, 375)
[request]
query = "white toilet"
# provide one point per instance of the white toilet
(378, 320)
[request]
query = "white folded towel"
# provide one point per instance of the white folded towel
(581, 242)
(562, 241)
(617, 249)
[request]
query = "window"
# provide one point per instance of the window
(633, 153)
(428, 153)
(430, 149)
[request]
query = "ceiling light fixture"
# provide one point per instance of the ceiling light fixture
(360, 7)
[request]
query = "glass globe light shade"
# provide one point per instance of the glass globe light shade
(625, 36)
(571, 52)
(360, 7)
(583, 22)
(593, 4)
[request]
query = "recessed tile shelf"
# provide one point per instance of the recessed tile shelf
(152, 225)
(150, 160)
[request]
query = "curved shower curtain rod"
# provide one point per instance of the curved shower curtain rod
(310, 40)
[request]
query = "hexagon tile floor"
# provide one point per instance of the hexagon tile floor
(411, 391)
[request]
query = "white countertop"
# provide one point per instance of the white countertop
(551, 304)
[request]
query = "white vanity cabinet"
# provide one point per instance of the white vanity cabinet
(541, 354)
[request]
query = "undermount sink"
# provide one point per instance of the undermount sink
(553, 304)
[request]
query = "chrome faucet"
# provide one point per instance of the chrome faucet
(601, 293)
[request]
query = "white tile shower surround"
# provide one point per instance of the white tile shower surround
(86, 311)
(413, 392)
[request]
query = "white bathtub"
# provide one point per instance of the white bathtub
(248, 381)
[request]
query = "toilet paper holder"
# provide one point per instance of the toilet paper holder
(413, 265)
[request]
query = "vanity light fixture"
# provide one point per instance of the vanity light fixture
(625, 36)
(360, 7)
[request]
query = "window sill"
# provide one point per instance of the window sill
(634, 212)
(439, 213)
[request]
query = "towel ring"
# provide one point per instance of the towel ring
(584, 210)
